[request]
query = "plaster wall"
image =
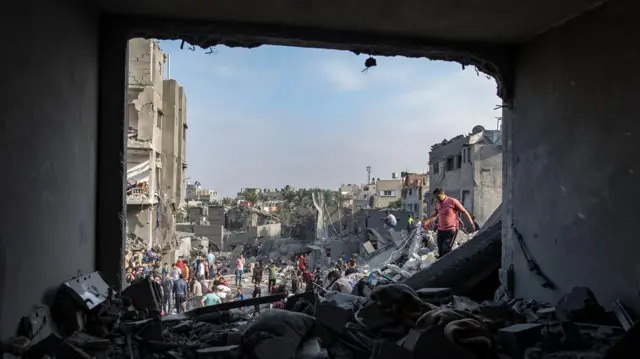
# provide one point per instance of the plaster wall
(182, 144)
(145, 89)
(213, 233)
(487, 181)
(140, 220)
(48, 145)
(170, 134)
(572, 158)
(266, 230)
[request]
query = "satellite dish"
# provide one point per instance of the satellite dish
(477, 129)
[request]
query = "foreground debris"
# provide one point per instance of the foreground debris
(89, 320)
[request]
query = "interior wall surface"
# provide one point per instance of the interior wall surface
(572, 161)
(48, 151)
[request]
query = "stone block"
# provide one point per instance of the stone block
(516, 338)
(546, 314)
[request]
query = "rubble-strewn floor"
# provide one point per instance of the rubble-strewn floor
(89, 320)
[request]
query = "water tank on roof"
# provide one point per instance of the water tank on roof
(477, 129)
(394, 175)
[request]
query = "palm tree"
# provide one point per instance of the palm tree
(289, 196)
(227, 201)
(251, 197)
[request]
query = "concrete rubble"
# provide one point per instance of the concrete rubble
(90, 320)
(404, 302)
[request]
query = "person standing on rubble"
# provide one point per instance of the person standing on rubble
(180, 292)
(446, 212)
(410, 223)
(272, 276)
(239, 270)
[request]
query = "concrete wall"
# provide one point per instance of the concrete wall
(144, 99)
(182, 144)
(184, 249)
(213, 233)
(487, 183)
(266, 230)
(141, 221)
(48, 149)
(170, 133)
(572, 158)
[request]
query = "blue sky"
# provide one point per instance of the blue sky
(271, 116)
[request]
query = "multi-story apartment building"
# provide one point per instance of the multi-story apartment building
(387, 192)
(155, 145)
(469, 168)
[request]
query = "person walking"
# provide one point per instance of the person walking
(446, 213)
(239, 270)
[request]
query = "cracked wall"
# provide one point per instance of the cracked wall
(48, 151)
(572, 159)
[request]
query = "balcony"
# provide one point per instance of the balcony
(138, 193)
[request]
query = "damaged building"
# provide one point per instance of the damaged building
(469, 168)
(564, 73)
(156, 147)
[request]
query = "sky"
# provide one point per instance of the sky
(274, 116)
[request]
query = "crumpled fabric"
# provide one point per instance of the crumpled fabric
(461, 328)
(401, 302)
(278, 331)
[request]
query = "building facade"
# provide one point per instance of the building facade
(414, 187)
(155, 145)
(469, 168)
(195, 192)
(387, 192)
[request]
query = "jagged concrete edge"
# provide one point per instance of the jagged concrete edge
(465, 266)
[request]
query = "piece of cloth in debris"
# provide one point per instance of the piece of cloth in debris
(401, 302)
(278, 331)
(461, 328)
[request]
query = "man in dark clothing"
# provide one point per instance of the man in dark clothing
(167, 290)
(180, 291)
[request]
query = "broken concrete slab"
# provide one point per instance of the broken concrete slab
(580, 305)
(515, 339)
(437, 296)
(465, 267)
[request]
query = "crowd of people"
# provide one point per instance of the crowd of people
(199, 281)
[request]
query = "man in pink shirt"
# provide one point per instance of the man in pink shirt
(239, 269)
(446, 211)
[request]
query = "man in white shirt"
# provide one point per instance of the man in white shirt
(389, 219)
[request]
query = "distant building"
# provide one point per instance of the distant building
(348, 194)
(195, 192)
(387, 192)
(414, 187)
(469, 168)
(365, 196)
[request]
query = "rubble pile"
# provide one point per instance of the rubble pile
(90, 320)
